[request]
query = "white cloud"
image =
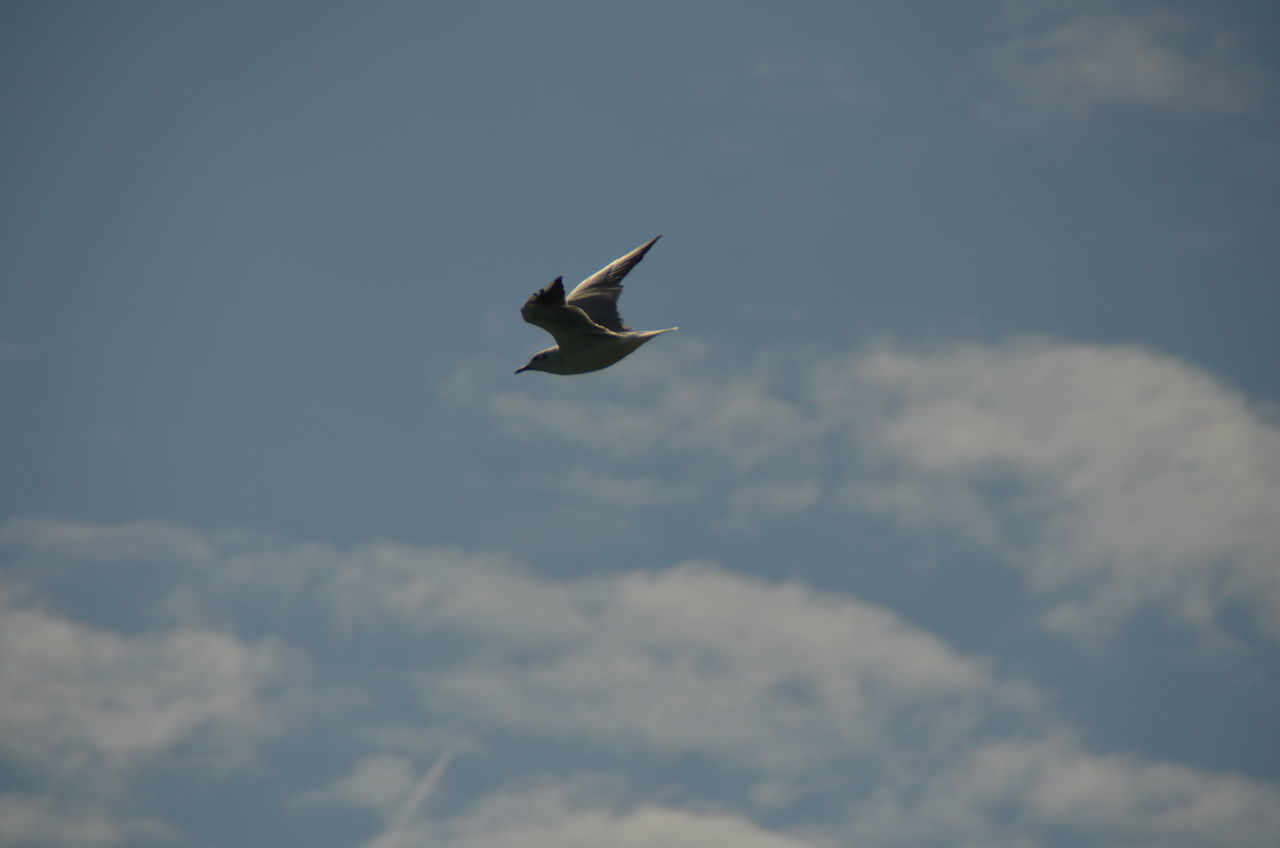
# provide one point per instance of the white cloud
(1028, 792)
(638, 828)
(692, 659)
(401, 823)
(697, 660)
(379, 782)
(39, 820)
(808, 699)
(739, 423)
(688, 660)
(1090, 58)
(575, 814)
(130, 540)
(88, 704)
(1113, 477)
(1021, 791)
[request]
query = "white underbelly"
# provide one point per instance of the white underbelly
(596, 356)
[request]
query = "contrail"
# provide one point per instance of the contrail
(413, 804)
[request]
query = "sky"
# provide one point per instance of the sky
(950, 516)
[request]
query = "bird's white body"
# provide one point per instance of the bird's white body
(592, 355)
(588, 330)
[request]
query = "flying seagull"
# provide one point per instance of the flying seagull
(588, 330)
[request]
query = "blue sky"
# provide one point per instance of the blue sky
(949, 517)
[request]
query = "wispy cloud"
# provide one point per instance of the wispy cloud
(405, 814)
(379, 782)
(1090, 57)
(147, 540)
(30, 819)
(1115, 478)
(799, 79)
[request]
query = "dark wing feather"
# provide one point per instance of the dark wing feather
(567, 324)
(597, 295)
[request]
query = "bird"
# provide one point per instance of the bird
(588, 330)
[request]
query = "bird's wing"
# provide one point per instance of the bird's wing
(597, 295)
(569, 325)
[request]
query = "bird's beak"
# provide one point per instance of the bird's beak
(522, 368)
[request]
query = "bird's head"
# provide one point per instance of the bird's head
(537, 363)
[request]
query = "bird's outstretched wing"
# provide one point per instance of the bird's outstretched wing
(568, 324)
(597, 295)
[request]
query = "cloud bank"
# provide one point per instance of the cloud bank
(705, 707)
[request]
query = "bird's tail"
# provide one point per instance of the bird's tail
(651, 333)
